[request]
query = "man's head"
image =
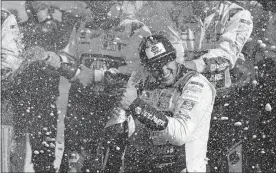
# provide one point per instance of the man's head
(158, 57)
(47, 16)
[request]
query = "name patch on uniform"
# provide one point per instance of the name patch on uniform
(188, 94)
(197, 83)
(194, 88)
(188, 105)
(155, 50)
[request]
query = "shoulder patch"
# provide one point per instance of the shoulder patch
(193, 89)
(191, 95)
(187, 104)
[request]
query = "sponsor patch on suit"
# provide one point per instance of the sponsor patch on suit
(197, 83)
(188, 105)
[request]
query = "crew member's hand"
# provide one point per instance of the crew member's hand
(52, 59)
(85, 77)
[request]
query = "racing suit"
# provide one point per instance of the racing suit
(88, 107)
(212, 41)
(10, 50)
(171, 126)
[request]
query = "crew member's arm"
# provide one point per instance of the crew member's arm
(191, 109)
(237, 31)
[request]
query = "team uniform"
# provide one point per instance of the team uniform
(168, 122)
(180, 140)
(115, 49)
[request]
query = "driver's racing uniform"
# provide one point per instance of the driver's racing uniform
(88, 107)
(170, 123)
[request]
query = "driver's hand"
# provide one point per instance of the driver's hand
(52, 59)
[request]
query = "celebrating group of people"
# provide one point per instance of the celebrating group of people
(142, 89)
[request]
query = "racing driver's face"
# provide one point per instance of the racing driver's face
(167, 73)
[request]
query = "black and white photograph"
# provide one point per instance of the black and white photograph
(110, 86)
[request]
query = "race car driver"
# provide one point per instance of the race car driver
(107, 41)
(212, 33)
(171, 108)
